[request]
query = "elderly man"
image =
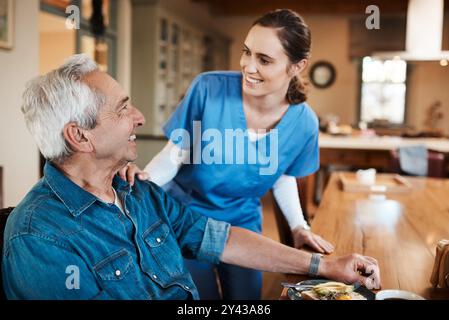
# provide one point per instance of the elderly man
(83, 233)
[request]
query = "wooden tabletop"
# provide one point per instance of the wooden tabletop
(400, 231)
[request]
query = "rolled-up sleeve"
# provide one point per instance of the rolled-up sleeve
(214, 240)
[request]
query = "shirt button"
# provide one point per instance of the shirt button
(154, 276)
(117, 273)
(158, 240)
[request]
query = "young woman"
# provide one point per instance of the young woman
(266, 101)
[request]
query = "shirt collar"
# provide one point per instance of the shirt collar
(75, 198)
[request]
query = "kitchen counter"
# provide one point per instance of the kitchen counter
(381, 142)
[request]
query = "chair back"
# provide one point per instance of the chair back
(435, 161)
(4, 213)
(285, 234)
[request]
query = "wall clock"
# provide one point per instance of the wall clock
(322, 74)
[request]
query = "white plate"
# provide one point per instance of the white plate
(397, 294)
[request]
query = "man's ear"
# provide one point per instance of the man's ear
(76, 138)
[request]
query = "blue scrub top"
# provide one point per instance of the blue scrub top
(229, 186)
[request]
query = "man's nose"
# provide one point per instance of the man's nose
(138, 117)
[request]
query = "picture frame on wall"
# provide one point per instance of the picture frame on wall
(6, 24)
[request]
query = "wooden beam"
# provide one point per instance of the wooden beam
(58, 4)
(326, 7)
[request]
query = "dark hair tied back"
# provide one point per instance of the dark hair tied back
(296, 40)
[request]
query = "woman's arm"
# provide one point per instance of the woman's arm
(161, 169)
(165, 165)
(286, 193)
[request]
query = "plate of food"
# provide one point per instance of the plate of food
(321, 289)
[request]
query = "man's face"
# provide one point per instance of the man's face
(114, 135)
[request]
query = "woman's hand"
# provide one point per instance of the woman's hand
(129, 171)
(303, 237)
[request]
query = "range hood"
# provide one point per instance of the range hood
(424, 33)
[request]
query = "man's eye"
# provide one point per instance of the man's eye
(263, 61)
(125, 107)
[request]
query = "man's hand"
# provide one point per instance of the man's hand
(128, 173)
(350, 269)
(303, 237)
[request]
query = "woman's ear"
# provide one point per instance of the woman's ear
(297, 68)
(76, 138)
(303, 64)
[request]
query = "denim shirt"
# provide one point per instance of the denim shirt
(62, 242)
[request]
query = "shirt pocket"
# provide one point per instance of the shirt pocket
(118, 278)
(165, 253)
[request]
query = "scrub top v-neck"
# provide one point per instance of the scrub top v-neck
(230, 187)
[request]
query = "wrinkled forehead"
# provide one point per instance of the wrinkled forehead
(105, 84)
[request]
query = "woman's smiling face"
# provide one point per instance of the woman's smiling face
(264, 63)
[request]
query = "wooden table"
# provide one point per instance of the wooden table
(366, 152)
(401, 232)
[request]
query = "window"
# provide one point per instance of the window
(102, 50)
(383, 90)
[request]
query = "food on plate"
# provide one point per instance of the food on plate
(332, 291)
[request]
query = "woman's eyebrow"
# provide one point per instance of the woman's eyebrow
(258, 53)
(265, 56)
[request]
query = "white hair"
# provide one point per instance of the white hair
(57, 98)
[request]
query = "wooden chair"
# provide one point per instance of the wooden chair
(285, 234)
(4, 213)
(435, 160)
